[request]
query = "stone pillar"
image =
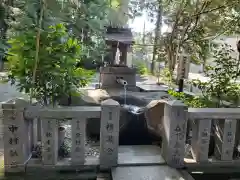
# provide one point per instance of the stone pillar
(78, 141)
(35, 131)
(109, 134)
(49, 141)
(114, 51)
(174, 133)
(15, 152)
(225, 139)
(39, 129)
(123, 57)
(201, 129)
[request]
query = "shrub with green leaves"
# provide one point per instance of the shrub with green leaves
(57, 74)
(141, 69)
(222, 86)
(190, 101)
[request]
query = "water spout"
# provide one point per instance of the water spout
(122, 82)
(125, 94)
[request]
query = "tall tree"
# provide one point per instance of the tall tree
(191, 25)
(157, 34)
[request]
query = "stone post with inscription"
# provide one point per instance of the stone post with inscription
(201, 130)
(225, 139)
(109, 133)
(78, 140)
(49, 140)
(174, 133)
(15, 135)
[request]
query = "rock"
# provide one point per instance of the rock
(154, 113)
(86, 97)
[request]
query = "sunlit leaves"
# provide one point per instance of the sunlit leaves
(222, 75)
(57, 73)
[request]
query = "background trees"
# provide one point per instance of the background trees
(192, 25)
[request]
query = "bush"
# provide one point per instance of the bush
(56, 74)
(142, 69)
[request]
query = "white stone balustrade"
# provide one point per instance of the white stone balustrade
(20, 133)
(174, 124)
(224, 121)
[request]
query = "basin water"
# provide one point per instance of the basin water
(133, 126)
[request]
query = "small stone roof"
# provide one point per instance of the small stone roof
(123, 35)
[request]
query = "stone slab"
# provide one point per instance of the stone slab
(151, 87)
(163, 172)
(109, 133)
(50, 141)
(78, 140)
(201, 130)
(225, 139)
(140, 154)
(174, 136)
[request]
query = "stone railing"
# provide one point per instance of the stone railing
(20, 133)
(221, 122)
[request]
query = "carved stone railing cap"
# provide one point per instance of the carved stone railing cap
(17, 103)
(110, 102)
(175, 103)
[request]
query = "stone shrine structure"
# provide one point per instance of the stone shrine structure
(118, 39)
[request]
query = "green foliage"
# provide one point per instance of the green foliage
(57, 74)
(222, 86)
(166, 77)
(190, 101)
(190, 25)
(85, 20)
(141, 69)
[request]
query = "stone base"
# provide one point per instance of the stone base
(129, 88)
(109, 76)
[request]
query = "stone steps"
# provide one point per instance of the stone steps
(161, 172)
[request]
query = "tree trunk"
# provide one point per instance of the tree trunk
(157, 35)
(204, 65)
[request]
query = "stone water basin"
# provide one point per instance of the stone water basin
(133, 120)
(134, 108)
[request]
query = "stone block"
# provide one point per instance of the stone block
(49, 141)
(225, 139)
(109, 134)
(174, 136)
(109, 76)
(15, 135)
(78, 140)
(154, 114)
(201, 129)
